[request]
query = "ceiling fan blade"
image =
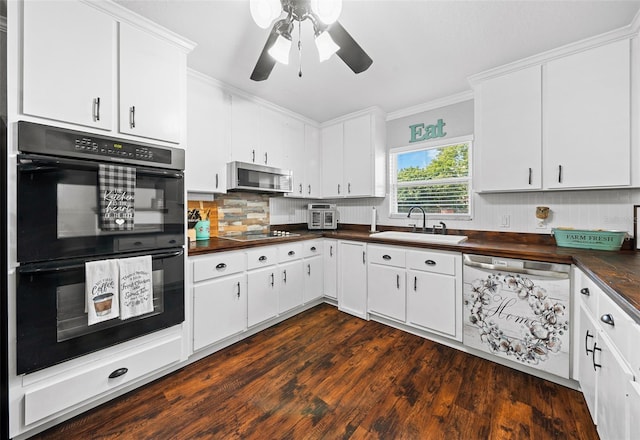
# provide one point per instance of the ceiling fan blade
(350, 52)
(266, 62)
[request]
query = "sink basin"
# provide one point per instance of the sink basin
(419, 237)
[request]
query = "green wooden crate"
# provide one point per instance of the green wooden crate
(589, 238)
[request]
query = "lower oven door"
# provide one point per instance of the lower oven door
(52, 323)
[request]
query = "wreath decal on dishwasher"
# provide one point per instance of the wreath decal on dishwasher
(544, 330)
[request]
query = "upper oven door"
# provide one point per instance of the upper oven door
(58, 214)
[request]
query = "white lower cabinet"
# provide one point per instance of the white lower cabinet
(59, 393)
(330, 268)
(605, 363)
(313, 270)
(262, 286)
(352, 278)
(387, 294)
(291, 286)
(432, 302)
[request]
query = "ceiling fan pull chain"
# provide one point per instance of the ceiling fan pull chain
(299, 51)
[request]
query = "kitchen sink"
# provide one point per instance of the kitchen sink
(420, 237)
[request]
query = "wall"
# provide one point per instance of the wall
(587, 209)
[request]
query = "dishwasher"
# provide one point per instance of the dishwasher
(518, 310)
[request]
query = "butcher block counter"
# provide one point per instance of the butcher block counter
(616, 272)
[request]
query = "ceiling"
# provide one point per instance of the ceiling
(422, 50)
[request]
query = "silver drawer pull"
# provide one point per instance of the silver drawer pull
(607, 318)
(221, 266)
(313, 248)
(291, 253)
(585, 291)
(430, 263)
(262, 258)
(386, 257)
(119, 372)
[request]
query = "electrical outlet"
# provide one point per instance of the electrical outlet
(505, 221)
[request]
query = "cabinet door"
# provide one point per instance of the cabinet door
(386, 294)
(587, 377)
(313, 278)
(219, 310)
(586, 118)
(245, 116)
(271, 145)
(312, 183)
(295, 155)
(613, 379)
(151, 71)
(357, 152)
(332, 161)
(208, 113)
(352, 278)
(508, 116)
(330, 269)
(68, 70)
(291, 286)
(431, 301)
(262, 288)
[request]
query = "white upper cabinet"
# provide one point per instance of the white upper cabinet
(150, 95)
(84, 65)
(354, 156)
(208, 117)
(68, 70)
(302, 147)
(508, 129)
(587, 118)
(564, 123)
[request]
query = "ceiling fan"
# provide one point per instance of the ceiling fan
(330, 36)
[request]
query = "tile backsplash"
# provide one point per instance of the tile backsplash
(242, 213)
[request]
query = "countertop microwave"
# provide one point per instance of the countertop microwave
(322, 216)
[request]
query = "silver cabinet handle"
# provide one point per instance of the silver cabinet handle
(331, 251)
(253, 156)
(216, 180)
(309, 269)
(607, 318)
(430, 262)
(559, 173)
(363, 258)
(266, 158)
(262, 259)
(530, 175)
(300, 191)
(585, 291)
(284, 276)
(272, 279)
(386, 257)
(96, 109)
(338, 188)
(238, 289)
(349, 188)
(467, 261)
(132, 116)
(313, 248)
(309, 190)
(291, 253)
(221, 266)
(398, 281)
(415, 284)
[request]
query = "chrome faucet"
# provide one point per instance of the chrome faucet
(424, 217)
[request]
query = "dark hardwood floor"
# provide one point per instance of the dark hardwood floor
(325, 374)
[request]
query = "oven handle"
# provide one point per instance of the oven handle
(34, 162)
(544, 273)
(30, 269)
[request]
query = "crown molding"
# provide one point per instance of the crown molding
(120, 13)
(365, 111)
(431, 105)
(626, 32)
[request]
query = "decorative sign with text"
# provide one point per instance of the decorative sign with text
(423, 132)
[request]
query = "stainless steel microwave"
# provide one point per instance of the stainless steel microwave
(251, 177)
(322, 216)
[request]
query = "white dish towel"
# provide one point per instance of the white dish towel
(136, 286)
(101, 288)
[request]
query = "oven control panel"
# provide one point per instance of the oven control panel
(37, 138)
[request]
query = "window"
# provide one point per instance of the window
(434, 176)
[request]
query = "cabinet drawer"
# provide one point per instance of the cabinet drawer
(91, 382)
(262, 256)
(437, 262)
(218, 265)
(311, 248)
(615, 323)
(289, 252)
(389, 256)
(588, 292)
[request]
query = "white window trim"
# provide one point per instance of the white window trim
(437, 143)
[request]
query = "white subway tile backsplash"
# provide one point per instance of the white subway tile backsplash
(586, 209)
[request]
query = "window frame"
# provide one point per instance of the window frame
(429, 145)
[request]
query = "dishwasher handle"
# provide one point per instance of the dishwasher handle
(468, 261)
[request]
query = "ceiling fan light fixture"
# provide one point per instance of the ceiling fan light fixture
(327, 11)
(280, 49)
(326, 46)
(264, 11)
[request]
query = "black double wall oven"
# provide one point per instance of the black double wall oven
(61, 228)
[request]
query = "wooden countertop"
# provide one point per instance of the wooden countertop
(617, 273)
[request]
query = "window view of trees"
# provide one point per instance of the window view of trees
(436, 179)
